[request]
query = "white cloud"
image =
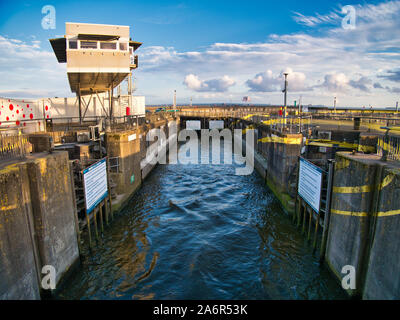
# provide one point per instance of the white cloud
(362, 84)
(264, 82)
(312, 21)
(336, 82)
(296, 80)
(327, 60)
(332, 60)
(268, 82)
(364, 13)
(217, 85)
(28, 71)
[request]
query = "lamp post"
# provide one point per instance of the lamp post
(175, 102)
(285, 94)
(334, 104)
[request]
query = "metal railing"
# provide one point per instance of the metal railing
(290, 124)
(389, 145)
(114, 164)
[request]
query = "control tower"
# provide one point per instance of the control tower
(99, 57)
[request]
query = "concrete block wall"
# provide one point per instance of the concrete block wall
(126, 146)
(383, 273)
(351, 212)
(37, 224)
(364, 224)
(130, 147)
(282, 160)
(53, 211)
(18, 274)
(276, 160)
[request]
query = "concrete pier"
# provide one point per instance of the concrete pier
(125, 146)
(352, 200)
(383, 276)
(37, 224)
(18, 273)
(364, 224)
(53, 211)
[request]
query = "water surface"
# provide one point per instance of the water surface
(201, 232)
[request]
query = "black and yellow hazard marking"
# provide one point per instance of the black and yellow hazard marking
(364, 189)
(282, 140)
(338, 144)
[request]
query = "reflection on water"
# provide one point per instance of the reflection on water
(201, 232)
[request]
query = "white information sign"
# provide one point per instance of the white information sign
(310, 184)
(95, 182)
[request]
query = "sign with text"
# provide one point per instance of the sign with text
(310, 184)
(95, 184)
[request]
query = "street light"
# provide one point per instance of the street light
(285, 93)
(334, 104)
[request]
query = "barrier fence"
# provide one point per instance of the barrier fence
(13, 146)
(389, 147)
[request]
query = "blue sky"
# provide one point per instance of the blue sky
(220, 51)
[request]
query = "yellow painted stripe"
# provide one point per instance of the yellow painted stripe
(363, 148)
(248, 116)
(319, 144)
(349, 213)
(359, 189)
(330, 143)
(388, 179)
(362, 189)
(365, 214)
(10, 207)
(274, 121)
(388, 213)
(342, 165)
(275, 139)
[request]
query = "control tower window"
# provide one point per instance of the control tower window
(73, 44)
(108, 45)
(88, 44)
(123, 46)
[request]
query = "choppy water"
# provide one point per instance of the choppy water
(201, 232)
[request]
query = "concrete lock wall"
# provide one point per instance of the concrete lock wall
(53, 211)
(365, 223)
(383, 276)
(37, 224)
(350, 214)
(282, 154)
(131, 149)
(18, 274)
(275, 159)
(153, 148)
(126, 146)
